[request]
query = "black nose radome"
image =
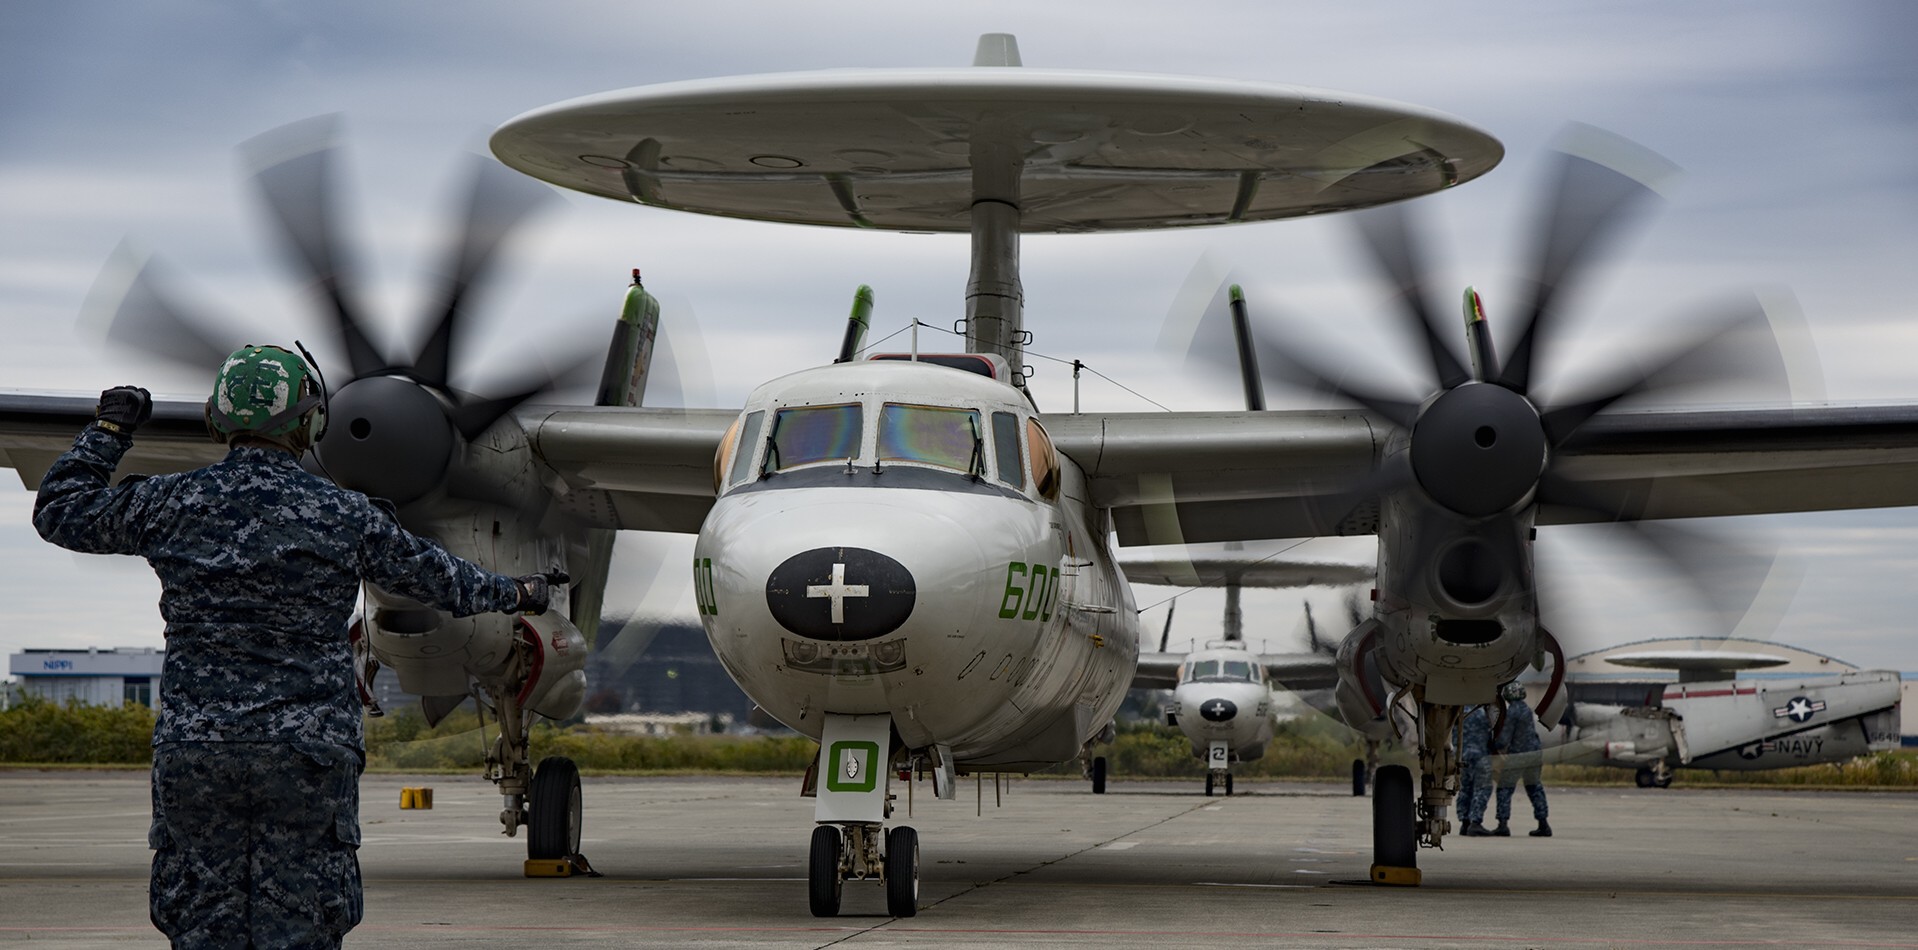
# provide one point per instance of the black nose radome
(840, 594)
(1218, 710)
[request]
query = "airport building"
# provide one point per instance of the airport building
(92, 676)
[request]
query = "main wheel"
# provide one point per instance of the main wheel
(902, 872)
(1358, 778)
(552, 830)
(1208, 784)
(1394, 827)
(1099, 775)
(823, 884)
(1644, 778)
(1665, 782)
(1228, 783)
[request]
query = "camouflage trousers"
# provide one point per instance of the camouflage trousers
(255, 844)
(1534, 790)
(1474, 789)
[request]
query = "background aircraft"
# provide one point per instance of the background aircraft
(1226, 695)
(1711, 719)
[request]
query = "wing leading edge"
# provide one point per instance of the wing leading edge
(1186, 477)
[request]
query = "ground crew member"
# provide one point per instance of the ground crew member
(1475, 771)
(1519, 737)
(257, 749)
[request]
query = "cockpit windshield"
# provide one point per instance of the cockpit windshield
(935, 435)
(1236, 671)
(806, 434)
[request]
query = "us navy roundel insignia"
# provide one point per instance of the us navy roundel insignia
(1218, 710)
(1800, 709)
(840, 594)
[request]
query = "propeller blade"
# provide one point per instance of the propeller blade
(497, 203)
(1728, 574)
(1165, 635)
(1735, 354)
(473, 414)
(128, 307)
(293, 172)
(1387, 233)
(1589, 200)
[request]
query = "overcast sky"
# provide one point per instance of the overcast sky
(1794, 125)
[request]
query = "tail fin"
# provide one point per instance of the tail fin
(621, 383)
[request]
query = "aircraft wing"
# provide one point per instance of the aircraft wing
(35, 428)
(1301, 671)
(1157, 671)
(634, 468)
(1217, 572)
(616, 467)
(1181, 477)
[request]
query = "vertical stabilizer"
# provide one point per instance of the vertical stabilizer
(621, 383)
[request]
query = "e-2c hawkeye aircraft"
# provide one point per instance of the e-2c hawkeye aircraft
(1712, 719)
(1223, 696)
(906, 559)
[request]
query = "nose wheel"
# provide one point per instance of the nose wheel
(854, 854)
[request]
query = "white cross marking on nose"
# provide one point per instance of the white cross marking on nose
(838, 590)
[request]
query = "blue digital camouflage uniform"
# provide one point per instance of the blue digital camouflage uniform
(1475, 766)
(1520, 735)
(257, 749)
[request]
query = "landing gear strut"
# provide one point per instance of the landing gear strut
(852, 786)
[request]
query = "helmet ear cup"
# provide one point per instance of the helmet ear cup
(316, 417)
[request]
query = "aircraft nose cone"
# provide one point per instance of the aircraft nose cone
(1218, 710)
(840, 593)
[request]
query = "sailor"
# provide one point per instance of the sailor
(1475, 771)
(257, 749)
(1518, 736)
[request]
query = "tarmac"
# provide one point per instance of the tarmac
(720, 862)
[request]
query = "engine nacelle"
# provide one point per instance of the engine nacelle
(1362, 694)
(555, 683)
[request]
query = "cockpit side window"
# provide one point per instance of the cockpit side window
(1045, 461)
(1005, 446)
(803, 435)
(935, 435)
(748, 446)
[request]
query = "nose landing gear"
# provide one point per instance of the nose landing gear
(854, 799)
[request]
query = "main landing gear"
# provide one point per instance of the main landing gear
(850, 843)
(1401, 826)
(1657, 776)
(546, 802)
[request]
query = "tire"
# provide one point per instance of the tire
(1228, 783)
(1099, 775)
(552, 828)
(823, 884)
(902, 872)
(1394, 828)
(1643, 778)
(1665, 782)
(1358, 778)
(1208, 784)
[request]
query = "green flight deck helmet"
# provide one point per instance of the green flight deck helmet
(267, 392)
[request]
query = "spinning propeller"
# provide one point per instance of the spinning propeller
(1485, 437)
(394, 425)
